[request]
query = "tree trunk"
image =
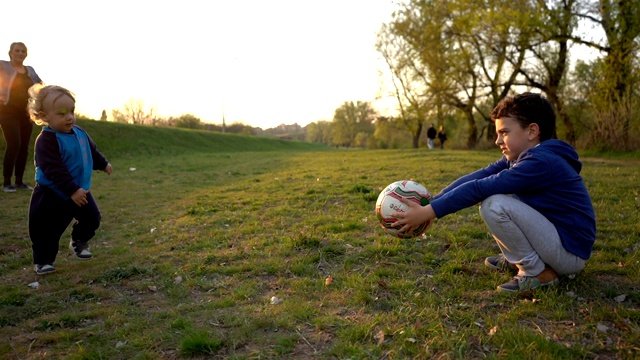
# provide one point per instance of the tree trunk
(472, 133)
(416, 136)
(561, 113)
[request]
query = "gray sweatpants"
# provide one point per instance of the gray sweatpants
(526, 238)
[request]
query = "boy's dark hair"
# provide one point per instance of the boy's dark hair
(528, 108)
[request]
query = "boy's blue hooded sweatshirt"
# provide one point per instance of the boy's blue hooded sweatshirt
(547, 178)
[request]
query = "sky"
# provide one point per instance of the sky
(262, 63)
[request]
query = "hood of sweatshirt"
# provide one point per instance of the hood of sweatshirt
(561, 149)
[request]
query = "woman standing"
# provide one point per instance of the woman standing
(15, 81)
(442, 136)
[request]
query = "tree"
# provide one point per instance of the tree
(609, 96)
(614, 100)
(103, 117)
(119, 117)
(466, 56)
(410, 88)
(388, 134)
(549, 36)
(319, 132)
(134, 112)
(239, 128)
(458, 50)
(286, 132)
(349, 120)
(621, 23)
(188, 121)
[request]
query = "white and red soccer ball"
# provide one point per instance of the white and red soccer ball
(389, 202)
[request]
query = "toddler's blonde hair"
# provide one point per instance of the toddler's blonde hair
(37, 94)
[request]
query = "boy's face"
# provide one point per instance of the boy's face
(59, 113)
(513, 139)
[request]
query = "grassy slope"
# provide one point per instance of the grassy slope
(122, 140)
(196, 241)
(125, 140)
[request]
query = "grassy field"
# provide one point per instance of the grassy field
(223, 246)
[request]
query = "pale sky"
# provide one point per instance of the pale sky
(262, 63)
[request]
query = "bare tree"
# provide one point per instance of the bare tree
(135, 112)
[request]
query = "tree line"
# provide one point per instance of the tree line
(450, 62)
(457, 59)
(135, 112)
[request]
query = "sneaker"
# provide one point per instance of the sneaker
(547, 277)
(80, 249)
(44, 269)
(499, 263)
(9, 188)
(24, 187)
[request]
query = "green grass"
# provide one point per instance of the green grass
(196, 241)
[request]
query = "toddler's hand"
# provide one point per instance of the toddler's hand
(80, 197)
(108, 169)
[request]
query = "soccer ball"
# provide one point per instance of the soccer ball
(389, 202)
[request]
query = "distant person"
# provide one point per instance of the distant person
(533, 199)
(65, 157)
(15, 80)
(431, 136)
(442, 136)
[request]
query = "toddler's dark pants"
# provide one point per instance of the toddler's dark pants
(49, 216)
